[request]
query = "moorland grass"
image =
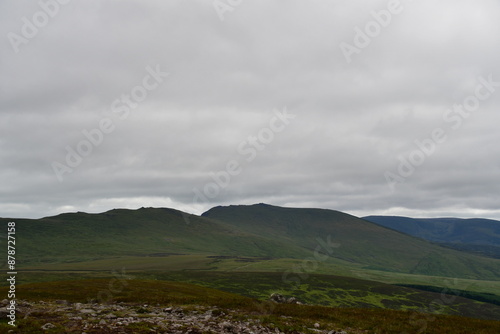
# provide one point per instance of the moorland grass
(287, 317)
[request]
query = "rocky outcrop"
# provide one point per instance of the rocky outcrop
(280, 299)
(133, 318)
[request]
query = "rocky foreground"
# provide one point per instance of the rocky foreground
(64, 317)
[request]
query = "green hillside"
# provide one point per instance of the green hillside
(478, 236)
(472, 231)
(261, 231)
(358, 241)
(255, 250)
(80, 236)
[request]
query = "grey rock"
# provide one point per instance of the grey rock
(276, 297)
(48, 326)
(114, 318)
(4, 312)
(87, 311)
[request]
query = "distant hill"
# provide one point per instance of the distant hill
(473, 235)
(360, 241)
(253, 231)
(73, 237)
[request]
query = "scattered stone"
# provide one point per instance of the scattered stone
(23, 303)
(280, 299)
(87, 311)
(227, 326)
(48, 326)
(4, 312)
(277, 298)
(117, 318)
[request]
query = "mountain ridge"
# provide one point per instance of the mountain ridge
(474, 235)
(363, 242)
(259, 230)
(460, 230)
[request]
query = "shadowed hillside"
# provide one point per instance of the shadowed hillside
(480, 236)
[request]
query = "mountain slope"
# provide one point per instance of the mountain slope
(251, 231)
(81, 236)
(481, 236)
(360, 241)
(451, 230)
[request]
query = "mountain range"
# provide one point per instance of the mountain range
(259, 230)
(318, 256)
(481, 236)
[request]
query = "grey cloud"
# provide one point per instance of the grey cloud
(225, 79)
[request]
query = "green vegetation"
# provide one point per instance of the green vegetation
(244, 231)
(360, 241)
(143, 232)
(472, 231)
(482, 297)
(327, 290)
(242, 264)
(484, 250)
(329, 259)
(287, 317)
(338, 291)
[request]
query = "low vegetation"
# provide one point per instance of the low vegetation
(287, 318)
(342, 269)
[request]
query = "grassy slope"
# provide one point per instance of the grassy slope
(338, 291)
(450, 230)
(202, 262)
(360, 241)
(285, 316)
(259, 230)
(111, 235)
(476, 236)
(80, 237)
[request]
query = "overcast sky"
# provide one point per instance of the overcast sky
(123, 104)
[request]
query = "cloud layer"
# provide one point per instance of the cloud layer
(67, 69)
